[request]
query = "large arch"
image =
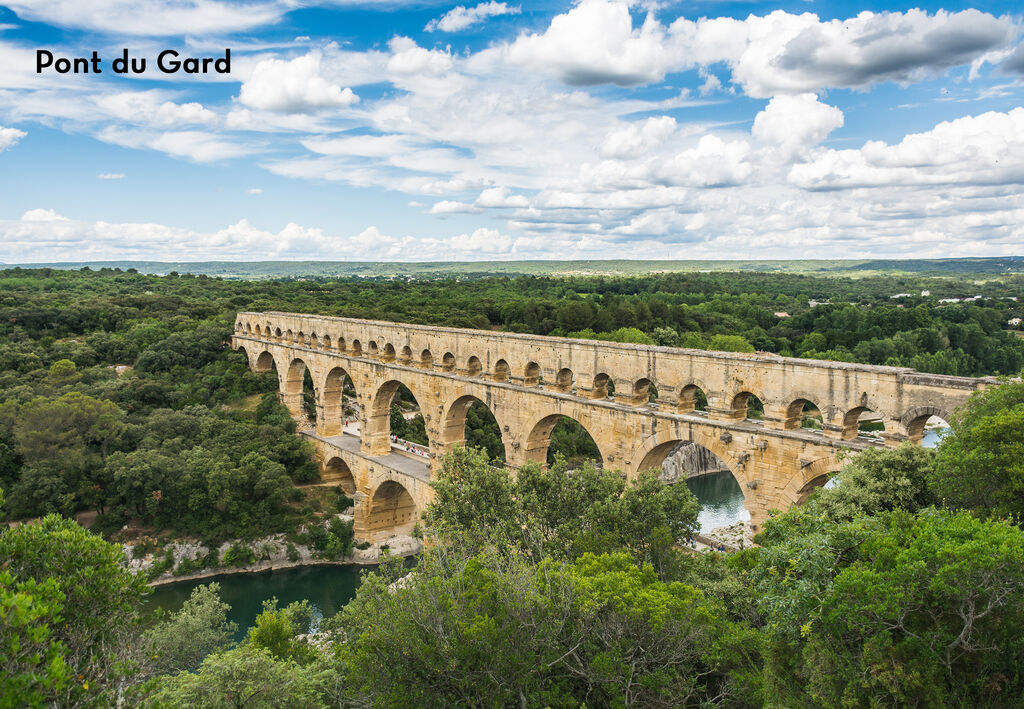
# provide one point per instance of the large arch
(294, 379)
(538, 441)
(692, 398)
(453, 429)
(802, 412)
(333, 397)
(391, 511)
(337, 472)
(377, 434)
(914, 420)
(264, 362)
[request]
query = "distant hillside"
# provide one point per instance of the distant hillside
(476, 269)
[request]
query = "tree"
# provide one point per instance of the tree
(980, 464)
(181, 641)
(246, 676)
(101, 599)
(33, 671)
(895, 610)
(730, 343)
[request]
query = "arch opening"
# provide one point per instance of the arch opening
(325, 343)
(501, 371)
(692, 399)
(357, 348)
(388, 353)
(396, 417)
(473, 366)
(392, 509)
(531, 374)
(406, 355)
(565, 381)
(341, 410)
(604, 387)
(448, 362)
(928, 430)
(804, 413)
(747, 406)
(426, 359)
(556, 435)
(707, 476)
(470, 422)
(372, 349)
(340, 344)
(862, 422)
(265, 362)
(337, 472)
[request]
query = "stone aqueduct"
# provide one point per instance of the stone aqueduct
(528, 382)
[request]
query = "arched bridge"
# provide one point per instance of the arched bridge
(636, 401)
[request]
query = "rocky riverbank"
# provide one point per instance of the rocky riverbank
(188, 559)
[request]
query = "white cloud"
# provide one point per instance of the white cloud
(497, 197)
(595, 43)
(9, 136)
(152, 108)
(637, 138)
(254, 190)
(796, 123)
(110, 176)
(153, 18)
(197, 146)
(461, 17)
(975, 150)
(293, 86)
(445, 207)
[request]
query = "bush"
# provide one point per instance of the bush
(239, 554)
(212, 558)
(293, 553)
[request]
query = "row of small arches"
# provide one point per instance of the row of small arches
(801, 413)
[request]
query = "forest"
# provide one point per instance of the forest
(562, 586)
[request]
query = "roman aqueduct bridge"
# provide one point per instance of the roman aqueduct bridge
(528, 382)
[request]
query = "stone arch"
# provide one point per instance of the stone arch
(314, 341)
(603, 387)
(745, 405)
(692, 398)
(538, 441)
(426, 359)
(301, 338)
(453, 427)
(336, 471)
(248, 328)
(448, 362)
(289, 336)
(377, 432)
(531, 374)
(501, 371)
(406, 355)
(388, 353)
(657, 446)
(294, 389)
(325, 343)
(372, 350)
(339, 343)
(644, 392)
(799, 409)
(245, 354)
(914, 420)
(357, 348)
(277, 333)
(265, 362)
(565, 380)
(392, 511)
(853, 423)
(811, 476)
(334, 401)
(473, 366)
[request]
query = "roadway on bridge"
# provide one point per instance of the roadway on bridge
(411, 464)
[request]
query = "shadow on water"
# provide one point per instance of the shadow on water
(721, 500)
(327, 588)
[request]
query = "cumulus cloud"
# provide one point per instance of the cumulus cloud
(293, 86)
(796, 123)
(498, 197)
(461, 17)
(596, 43)
(975, 150)
(1014, 62)
(786, 53)
(152, 108)
(9, 136)
(637, 138)
(158, 18)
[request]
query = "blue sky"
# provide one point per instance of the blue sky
(503, 130)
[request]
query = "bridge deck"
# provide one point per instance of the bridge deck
(405, 463)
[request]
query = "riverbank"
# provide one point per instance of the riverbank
(189, 559)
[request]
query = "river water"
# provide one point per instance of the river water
(721, 500)
(327, 588)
